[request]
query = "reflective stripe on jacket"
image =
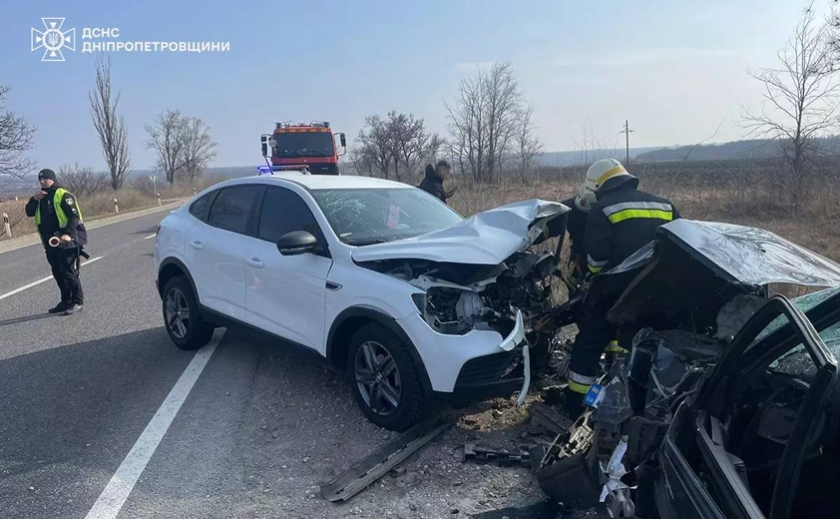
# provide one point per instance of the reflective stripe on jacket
(622, 221)
(61, 215)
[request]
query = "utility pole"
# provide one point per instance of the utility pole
(626, 131)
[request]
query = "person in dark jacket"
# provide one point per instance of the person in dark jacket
(58, 219)
(433, 181)
(576, 227)
(621, 221)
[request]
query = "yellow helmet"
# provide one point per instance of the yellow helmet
(596, 176)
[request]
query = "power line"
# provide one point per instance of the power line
(626, 131)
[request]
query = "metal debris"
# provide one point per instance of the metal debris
(503, 458)
(378, 464)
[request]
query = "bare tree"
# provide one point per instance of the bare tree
(527, 144)
(590, 148)
(801, 101)
(16, 138)
(374, 150)
(82, 181)
(110, 127)
(167, 139)
(199, 148)
(484, 121)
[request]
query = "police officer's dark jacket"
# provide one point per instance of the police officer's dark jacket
(622, 221)
(58, 213)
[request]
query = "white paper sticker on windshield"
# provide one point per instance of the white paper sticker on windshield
(394, 217)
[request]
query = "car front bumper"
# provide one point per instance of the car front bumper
(478, 361)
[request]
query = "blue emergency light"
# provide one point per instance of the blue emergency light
(264, 170)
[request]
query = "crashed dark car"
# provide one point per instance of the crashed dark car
(728, 405)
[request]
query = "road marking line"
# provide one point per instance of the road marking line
(36, 283)
(114, 495)
(150, 237)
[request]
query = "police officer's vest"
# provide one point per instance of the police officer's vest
(59, 211)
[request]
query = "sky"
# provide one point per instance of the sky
(676, 70)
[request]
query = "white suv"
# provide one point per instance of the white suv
(381, 279)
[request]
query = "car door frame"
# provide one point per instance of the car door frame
(744, 357)
(249, 232)
(323, 252)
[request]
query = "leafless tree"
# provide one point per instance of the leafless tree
(82, 181)
(167, 139)
(590, 148)
(408, 141)
(16, 138)
(484, 121)
(110, 127)
(199, 148)
(801, 101)
(374, 153)
(527, 144)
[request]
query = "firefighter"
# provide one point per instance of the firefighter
(434, 179)
(58, 219)
(576, 227)
(621, 221)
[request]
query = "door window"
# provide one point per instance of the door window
(232, 208)
(283, 212)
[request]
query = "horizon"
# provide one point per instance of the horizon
(688, 91)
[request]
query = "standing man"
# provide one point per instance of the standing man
(57, 216)
(433, 182)
(620, 222)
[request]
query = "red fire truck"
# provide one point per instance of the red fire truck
(313, 146)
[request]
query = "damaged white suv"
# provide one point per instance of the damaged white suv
(381, 279)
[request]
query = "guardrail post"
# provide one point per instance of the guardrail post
(194, 191)
(6, 227)
(116, 207)
(158, 197)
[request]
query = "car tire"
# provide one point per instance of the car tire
(401, 376)
(188, 331)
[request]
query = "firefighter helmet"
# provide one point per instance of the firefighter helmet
(596, 177)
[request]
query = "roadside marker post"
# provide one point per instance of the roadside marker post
(158, 197)
(116, 207)
(7, 229)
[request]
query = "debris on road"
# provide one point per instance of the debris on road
(482, 455)
(383, 460)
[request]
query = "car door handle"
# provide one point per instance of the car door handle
(255, 262)
(197, 245)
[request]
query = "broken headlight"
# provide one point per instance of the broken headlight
(452, 311)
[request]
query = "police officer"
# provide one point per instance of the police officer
(620, 221)
(63, 234)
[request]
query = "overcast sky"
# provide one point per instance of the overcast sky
(676, 70)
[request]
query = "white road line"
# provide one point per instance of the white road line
(36, 283)
(111, 500)
(150, 237)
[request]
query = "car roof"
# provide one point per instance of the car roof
(314, 182)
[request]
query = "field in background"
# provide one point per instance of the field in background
(138, 196)
(745, 193)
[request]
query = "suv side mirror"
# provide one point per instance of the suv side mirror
(296, 242)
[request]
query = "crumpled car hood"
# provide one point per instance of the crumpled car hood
(696, 266)
(487, 238)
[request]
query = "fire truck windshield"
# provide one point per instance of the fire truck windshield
(304, 144)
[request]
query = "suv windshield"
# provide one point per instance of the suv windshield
(303, 144)
(367, 216)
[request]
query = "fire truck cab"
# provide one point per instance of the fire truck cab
(304, 146)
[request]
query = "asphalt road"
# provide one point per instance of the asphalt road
(254, 436)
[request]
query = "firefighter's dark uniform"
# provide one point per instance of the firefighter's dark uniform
(57, 214)
(576, 227)
(622, 221)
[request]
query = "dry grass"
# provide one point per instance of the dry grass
(136, 197)
(816, 227)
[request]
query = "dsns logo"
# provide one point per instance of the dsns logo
(52, 39)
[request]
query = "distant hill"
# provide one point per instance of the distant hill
(736, 150)
(563, 159)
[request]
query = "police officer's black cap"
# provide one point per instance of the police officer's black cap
(47, 174)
